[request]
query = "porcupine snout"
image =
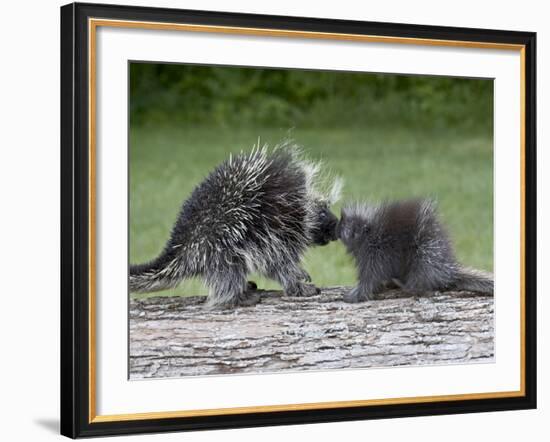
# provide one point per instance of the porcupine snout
(329, 228)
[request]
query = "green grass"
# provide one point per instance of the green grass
(452, 166)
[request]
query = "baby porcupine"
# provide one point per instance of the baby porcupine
(256, 211)
(405, 243)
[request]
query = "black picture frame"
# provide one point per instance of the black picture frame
(75, 221)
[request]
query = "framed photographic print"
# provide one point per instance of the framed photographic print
(275, 220)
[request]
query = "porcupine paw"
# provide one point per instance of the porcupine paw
(251, 285)
(303, 290)
(392, 284)
(248, 299)
(354, 296)
(305, 276)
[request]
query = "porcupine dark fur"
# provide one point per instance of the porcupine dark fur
(256, 212)
(404, 242)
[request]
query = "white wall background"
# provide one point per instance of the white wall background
(29, 219)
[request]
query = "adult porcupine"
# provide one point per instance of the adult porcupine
(405, 243)
(256, 211)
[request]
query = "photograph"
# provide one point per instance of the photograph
(272, 220)
(288, 219)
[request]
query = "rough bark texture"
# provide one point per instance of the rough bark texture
(175, 336)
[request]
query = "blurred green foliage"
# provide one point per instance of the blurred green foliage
(191, 95)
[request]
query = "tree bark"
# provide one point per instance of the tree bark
(177, 336)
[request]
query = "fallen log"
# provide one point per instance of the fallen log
(177, 336)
